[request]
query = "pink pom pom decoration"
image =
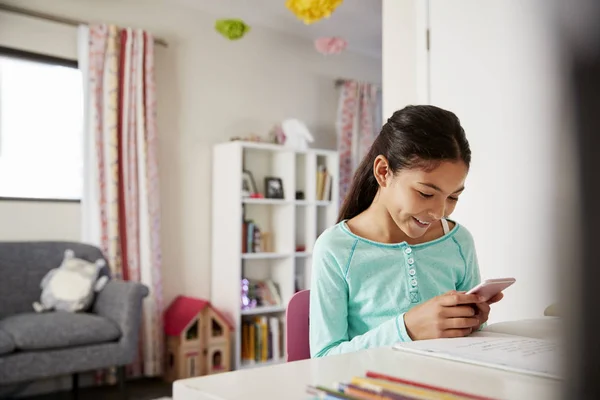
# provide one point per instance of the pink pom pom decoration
(330, 45)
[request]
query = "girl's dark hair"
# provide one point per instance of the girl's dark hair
(414, 137)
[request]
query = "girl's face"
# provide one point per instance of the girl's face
(416, 199)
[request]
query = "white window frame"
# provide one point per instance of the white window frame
(10, 52)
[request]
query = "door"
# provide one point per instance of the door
(493, 63)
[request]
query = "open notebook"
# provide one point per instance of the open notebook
(513, 352)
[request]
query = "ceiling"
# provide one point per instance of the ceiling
(357, 21)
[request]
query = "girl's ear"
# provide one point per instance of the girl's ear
(381, 170)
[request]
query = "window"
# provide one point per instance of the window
(192, 332)
(41, 127)
(217, 330)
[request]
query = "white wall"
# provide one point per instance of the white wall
(209, 89)
(33, 220)
(493, 63)
(38, 36)
(400, 69)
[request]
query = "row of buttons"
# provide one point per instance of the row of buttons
(414, 295)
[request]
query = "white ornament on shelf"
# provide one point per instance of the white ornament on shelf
(297, 135)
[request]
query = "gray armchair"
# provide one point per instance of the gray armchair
(41, 345)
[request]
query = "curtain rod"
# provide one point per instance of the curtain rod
(54, 18)
(340, 81)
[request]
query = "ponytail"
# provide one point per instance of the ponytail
(362, 191)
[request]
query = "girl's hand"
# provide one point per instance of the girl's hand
(483, 309)
(449, 315)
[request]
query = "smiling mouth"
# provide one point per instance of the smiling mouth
(421, 223)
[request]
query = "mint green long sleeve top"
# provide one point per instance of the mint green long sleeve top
(361, 289)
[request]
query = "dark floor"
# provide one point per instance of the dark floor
(140, 389)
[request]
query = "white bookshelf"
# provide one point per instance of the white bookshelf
(289, 221)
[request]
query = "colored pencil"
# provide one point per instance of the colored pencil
(409, 390)
(326, 393)
(372, 393)
(377, 375)
(362, 393)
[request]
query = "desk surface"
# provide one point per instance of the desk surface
(288, 381)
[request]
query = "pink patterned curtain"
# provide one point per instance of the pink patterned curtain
(121, 200)
(359, 122)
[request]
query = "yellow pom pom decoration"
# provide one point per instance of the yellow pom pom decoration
(310, 11)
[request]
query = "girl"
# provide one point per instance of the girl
(394, 268)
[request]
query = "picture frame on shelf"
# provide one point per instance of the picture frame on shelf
(273, 188)
(248, 184)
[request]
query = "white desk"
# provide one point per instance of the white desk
(288, 381)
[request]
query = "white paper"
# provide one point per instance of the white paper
(515, 353)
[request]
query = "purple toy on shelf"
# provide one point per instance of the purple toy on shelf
(247, 302)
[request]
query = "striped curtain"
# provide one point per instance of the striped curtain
(120, 206)
(359, 122)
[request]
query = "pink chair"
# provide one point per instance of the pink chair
(296, 327)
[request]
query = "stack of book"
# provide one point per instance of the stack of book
(324, 181)
(385, 387)
(253, 239)
(262, 339)
(260, 293)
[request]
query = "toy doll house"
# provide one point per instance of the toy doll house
(198, 339)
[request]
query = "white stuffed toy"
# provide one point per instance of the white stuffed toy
(297, 135)
(71, 286)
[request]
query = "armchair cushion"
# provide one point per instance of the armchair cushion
(59, 329)
(6, 343)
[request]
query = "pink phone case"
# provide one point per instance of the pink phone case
(491, 287)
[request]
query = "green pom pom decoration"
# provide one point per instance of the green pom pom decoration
(232, 29)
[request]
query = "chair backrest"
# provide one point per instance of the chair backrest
(296, 327)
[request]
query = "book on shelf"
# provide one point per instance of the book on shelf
(324, 182)
(253, 239)
(262, 339)
(260, 293)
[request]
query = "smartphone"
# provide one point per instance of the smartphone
(491, 287)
